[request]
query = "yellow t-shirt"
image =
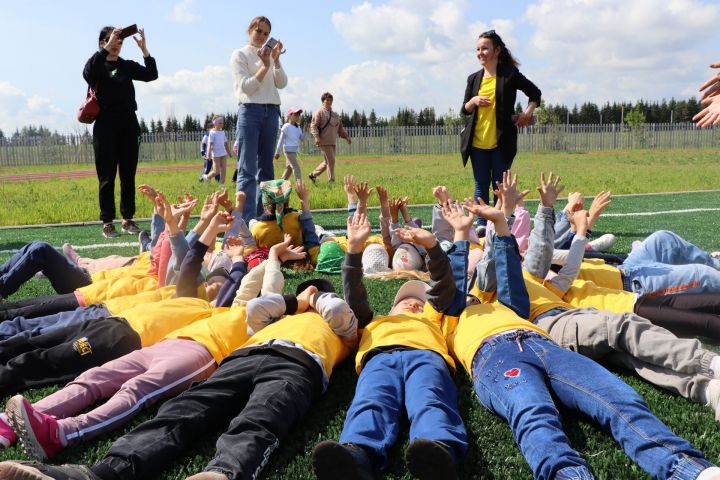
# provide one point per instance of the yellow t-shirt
(485, 135)
(597, 271)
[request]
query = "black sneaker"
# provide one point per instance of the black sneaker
(430, 460)
(109, 231)
(128, 226)
(144, 241)
(333, 461)
(41, 471)
(312, 178)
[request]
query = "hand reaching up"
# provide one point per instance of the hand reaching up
(418, 236)
(221, 222)
(509, 193)
(576, 201)
(304, 194)
(456, 217)
(441, 193)
(549, 190)
(489, 213)
(358, 231)
(209, 208)
(234, 248)
(239, 201)
(148, 191)
(363, 192)
(579, 220)
(599, 203)
(349, 186)
(223, 200)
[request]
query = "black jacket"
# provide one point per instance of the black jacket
(115, 90)
(509, 81)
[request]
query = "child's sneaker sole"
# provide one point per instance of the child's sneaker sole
(20, 422)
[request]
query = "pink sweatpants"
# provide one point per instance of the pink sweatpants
(130, 383)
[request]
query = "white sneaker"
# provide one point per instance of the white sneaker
(713, 396)
(715, 255)
(603, 242)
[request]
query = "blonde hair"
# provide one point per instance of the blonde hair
(400, 275)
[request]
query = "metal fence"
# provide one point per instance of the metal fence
(169, 146)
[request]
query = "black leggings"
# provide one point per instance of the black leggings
(686, 315)
(38, 306)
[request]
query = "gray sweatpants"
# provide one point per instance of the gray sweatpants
(630, 341)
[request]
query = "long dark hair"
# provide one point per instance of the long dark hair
(105, 33)
(505, 56)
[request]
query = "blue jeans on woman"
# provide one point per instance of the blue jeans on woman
(517, 376)
(488, 166)
(36, 257)
(257, 129)
(665, 263)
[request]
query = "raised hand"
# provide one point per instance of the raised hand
(358, 231)
(455, 216)
(549, 190)
(395, 204)
(209, 208)
(710, 115)
(418, 236)
(509, 193)
(304, 194)
(221, 222)
(576, 201)
(487, 212)
(441, 193)
(349, 186)
(712, 85)
(224, 201)
(148, 191)
(363, 192)
(234, 247)
(141, 42)
(579, 220)
(599, 203)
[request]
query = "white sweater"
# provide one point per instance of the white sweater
(244, 64)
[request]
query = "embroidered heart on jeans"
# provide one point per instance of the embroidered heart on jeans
(512, 373)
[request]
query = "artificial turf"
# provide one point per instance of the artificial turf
(492, 452)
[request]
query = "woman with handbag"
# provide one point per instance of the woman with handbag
(257, 77)
(489, 138)
(116, 133)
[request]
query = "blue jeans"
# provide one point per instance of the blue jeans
(488, 166)
(516, 377)
(257, 129)
(417, 379)
(32, 327)
(666, 263)
(36, 257)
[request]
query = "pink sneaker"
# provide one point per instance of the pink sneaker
(39, 433)
(7, 434)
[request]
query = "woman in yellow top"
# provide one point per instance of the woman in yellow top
(489, 138)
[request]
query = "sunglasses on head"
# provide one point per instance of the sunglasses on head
(488, 33)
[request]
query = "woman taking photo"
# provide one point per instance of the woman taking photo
(116, 133)
(489, 138)
(257, 76)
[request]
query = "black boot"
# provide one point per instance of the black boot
(430, 460)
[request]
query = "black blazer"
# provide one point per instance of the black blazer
(509, 81)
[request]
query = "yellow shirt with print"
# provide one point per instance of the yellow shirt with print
(485, 134)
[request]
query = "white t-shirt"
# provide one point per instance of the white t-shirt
(290, 137)
(216, 142)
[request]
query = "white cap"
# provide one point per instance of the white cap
(412, 288)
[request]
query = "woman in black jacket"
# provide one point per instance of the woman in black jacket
(116, 133)
(489, 138)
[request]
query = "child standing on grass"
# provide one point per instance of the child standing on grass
(207, 166)
(291, 134)
(217, 149)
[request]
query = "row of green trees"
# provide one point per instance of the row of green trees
(642, 111)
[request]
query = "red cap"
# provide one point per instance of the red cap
(292, 110)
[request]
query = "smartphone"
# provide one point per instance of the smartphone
(271, 42)
(129, 31)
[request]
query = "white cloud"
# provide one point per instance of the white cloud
(605, 50)
(187, 91)
(182, 13)
(18, 108)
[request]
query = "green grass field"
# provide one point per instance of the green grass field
(60, 199)
(492, 452)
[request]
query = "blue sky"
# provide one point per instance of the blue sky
(382, 54)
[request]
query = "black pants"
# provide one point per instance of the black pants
(116, 142)
(261, 395)
(38, 306)
(61, 355)
(686, 315)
